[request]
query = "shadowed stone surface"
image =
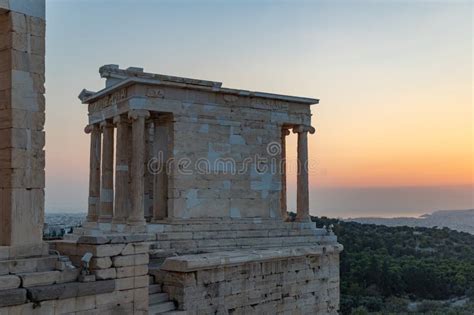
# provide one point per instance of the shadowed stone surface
(69, 290)
(12, 297)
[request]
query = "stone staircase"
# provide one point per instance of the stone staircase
(159, 302)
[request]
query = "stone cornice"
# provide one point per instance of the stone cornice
(128, 77)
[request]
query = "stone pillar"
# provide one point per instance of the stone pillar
(122, 173)
(94, 173)
(160, 183)
(22, 137)
(149, 133)
(107, 191)
(137, 215)
(302, 189)
(283, 202)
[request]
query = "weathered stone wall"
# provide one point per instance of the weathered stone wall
(122, 259)
(22, 105)
(307, 284)
(118, 283)
(231, 144)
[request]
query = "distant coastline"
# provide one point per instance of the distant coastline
(459, 220)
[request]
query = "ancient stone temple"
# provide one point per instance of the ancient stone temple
(189, 149)
(199, 172)
(187, 208)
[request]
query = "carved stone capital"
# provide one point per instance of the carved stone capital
(285, 132)
(106, 124)
(121, 119)
(136, 113)
(89, 128)
(303, 128)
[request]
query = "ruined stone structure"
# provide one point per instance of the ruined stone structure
(187, 196)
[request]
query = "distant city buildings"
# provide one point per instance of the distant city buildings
(59, 224)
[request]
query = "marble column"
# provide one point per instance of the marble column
(137, 215)
(160, 180)
(149, 133)
(122, 174)
(94, 173)
(283, 202)
(302, 189)
(107, 191)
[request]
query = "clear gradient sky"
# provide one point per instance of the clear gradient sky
(395, 122)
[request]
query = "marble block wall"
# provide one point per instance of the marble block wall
(258, 282)
(22, 106)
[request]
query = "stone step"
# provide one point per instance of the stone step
(161, 253)
(226, 238)
(229, 225)
(161, 308)
(176, 313)
(158, 298)
(154, 288)
(36, 264)
(155, 265)
(189, 245)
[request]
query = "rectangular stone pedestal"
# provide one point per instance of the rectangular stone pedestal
(303, 280)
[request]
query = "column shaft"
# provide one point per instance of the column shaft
(302, 189)
(149, 132)
(137, 215)
(283, 201)
(94, 173)
(122, 174)
(160, 183)
(107, 191)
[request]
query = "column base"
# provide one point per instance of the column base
(303, 218)
(105, 219)
(119, 221)
(136, 222)
(90, 225)
(92, 218)
(158, 219)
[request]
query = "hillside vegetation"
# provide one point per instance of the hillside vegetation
(399, 269)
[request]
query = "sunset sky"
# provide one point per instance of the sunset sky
(395, 121)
